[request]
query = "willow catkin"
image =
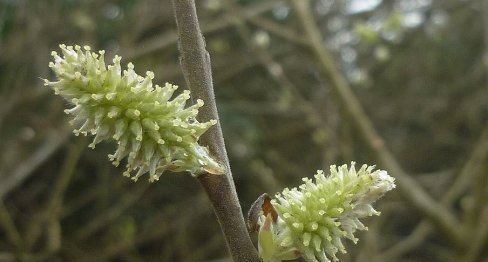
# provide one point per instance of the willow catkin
(154, 131)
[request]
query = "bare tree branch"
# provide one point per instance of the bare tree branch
(459, 186)
(52, 143)
(196, 66)
(167, 39)
(415, 195)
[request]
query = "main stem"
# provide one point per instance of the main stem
(195, 63)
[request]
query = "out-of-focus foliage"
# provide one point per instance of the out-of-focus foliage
(418, 67)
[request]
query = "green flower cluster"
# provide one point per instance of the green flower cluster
(314, 218)
(155, 133)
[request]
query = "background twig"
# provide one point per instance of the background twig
(410, 189)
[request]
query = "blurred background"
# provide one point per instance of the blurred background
(417, 69)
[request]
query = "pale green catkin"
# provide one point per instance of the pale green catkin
(314, 218)
(155, 133)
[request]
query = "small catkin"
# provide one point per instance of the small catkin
(153, 131)
(314, 218)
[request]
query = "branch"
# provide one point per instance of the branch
(11, 231)
(459, 186)
(163, 41)
(53, 210)
(196, 66)
(479, 240)
(414, 194)
(52, 143)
